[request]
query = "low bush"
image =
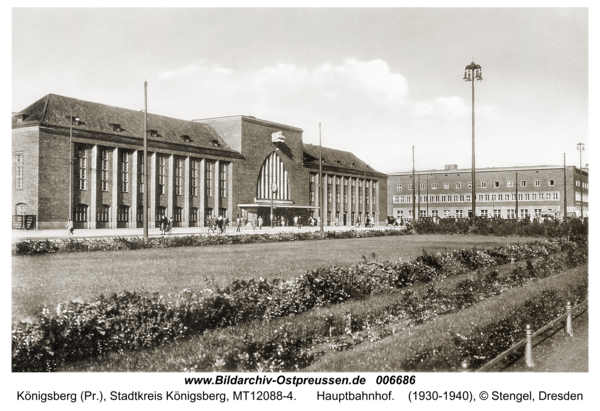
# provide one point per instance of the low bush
(505, 227)
(70, 245)
(130, 320)
(292, 343)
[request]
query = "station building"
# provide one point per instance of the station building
(504, 192)
(84, 160)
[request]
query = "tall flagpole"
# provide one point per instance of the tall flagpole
(320, 179)
(145, 163)
(565, 185)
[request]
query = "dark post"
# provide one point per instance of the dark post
(145, 164)
(517, 196)
(472, 73)
(320, 180)
(413, 185)
(565, 186)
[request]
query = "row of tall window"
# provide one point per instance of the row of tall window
(331, 180)
(496, 213)
(103, 213)
(162, 173)
(482, 184)
(480, 197)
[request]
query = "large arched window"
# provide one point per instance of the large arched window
(273, 172)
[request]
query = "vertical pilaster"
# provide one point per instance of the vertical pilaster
(333, 198)
(114, 207)
(171, 186)
(202, 193)
(325, 199)
(151, 164)
(133, 172)
(230, 191)
(217, 186)
(363, 206)
(342, 206)
(185, 213)
(93, 188)
(377, 214)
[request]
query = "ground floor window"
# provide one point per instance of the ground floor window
(484, 213)
(459, 213)
(510, 213)
(434, 213)
(446, 213)
(524, 213)
(160, 213)
(497, 213)
(537, 212)
(177, 214)
(423, 213)
(81, 213)
(209, 212)
(194, 215)
(103, 213)
(140, 214)
(123, 214)
(223, 212)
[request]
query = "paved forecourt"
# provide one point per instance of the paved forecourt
(155, 232)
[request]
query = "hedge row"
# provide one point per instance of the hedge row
(292, 343)
(477, 334)
(505, 227)
(130, 320)
(70, 245)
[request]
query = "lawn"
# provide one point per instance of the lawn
(52, 279)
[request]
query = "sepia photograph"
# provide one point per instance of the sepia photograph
(299, 206)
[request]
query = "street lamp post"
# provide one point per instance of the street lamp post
(273, 191)
(580, 148)
(71, 118)
(472, 73)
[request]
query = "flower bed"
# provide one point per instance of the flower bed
(129, 320)
(71, 245)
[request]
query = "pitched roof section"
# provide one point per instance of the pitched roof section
(338, 159)
(477, 170)
(54, 110)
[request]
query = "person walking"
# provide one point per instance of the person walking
(253, 222)
(260, 222)
(225, 224)
(245, 222)
(163, 224)
(337, 222)
(238, 223)
(169, 227)
(282, 221)
(70, 228)
(220, 224)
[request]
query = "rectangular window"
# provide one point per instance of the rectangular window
(123, 214)
(510, 213)
(446, 213)
(526, 196)
(194, 177)
(523, 183)
(396, 199)
(223, 180)
(468, 197)
(513, 197)
(434, 213)
(423, 213)
(410, 186)
(193, 215)
(423, 187)
(462, 198)
(555, 196)
(536, 183)
(19, 171)
(547, 196)
(496, 184)
(533, 196)
(162, 174)
(140, 214)
(524, 213)
(337, 196)
(140, 172)
(437, 199)
(458, 185)
(484, 213)
(497, 213)
(443, 199)
(408, 199)
(81, 213)
(210, 169)
(487, 197)
(431, 199)
(509, 184)
(493, 197)
(434, 186)
(178, 176)
(484, 184)
(124, 171)
(520, 197)
(459, 214)
(480, 197)
(104, 170)
(470, 185)
(446, 185)
(353, 197)
(550, 182)
(177, 214)
(82, 166)
(506, 197)
(537, 212)
(103, 213)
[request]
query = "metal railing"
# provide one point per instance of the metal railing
(527, 341)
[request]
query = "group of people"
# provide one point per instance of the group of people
(242, 221)
(217, 223)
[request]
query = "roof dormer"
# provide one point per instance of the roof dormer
(116, 127)
(186, 138)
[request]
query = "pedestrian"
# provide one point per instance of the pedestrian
(337, 222)
(253, 223)
(238, 223)
(169, 228)
(163, 224)
(260, 223)
(245, 222)
(225, 224)
(296, 222)
(283, 221)
(357, 222)
(220, 224)
(70, 228)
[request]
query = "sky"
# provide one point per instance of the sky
(379, 80)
